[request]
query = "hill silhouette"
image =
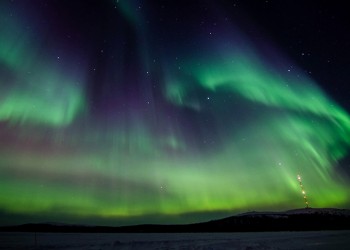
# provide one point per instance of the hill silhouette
(293, 220)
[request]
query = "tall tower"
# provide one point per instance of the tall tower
(303, 191)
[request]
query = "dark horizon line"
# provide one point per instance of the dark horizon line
(302, 219)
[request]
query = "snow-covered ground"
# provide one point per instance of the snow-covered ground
(91, 241)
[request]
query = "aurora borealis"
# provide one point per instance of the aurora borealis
(126, 112)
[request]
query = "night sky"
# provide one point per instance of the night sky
(129, 111)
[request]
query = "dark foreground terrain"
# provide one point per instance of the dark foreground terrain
(294, 229)
(308, 219)
(310, 240)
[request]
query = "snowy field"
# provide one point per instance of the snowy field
(266, 240)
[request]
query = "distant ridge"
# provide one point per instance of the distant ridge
(325, 211)
(292, 220)
(304, 219)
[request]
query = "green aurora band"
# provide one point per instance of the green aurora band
(258, 127)
(40, 93)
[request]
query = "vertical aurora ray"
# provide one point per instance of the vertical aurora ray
(128, 129)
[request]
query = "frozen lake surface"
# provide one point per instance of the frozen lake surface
(92, 241)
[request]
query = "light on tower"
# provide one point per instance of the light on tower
(303, 191)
